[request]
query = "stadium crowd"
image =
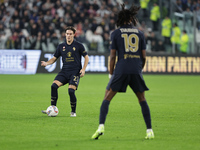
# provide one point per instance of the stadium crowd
(36, 24)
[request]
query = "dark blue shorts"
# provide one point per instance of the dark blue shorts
(119, 83)
(72, 78)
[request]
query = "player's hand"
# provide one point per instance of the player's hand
(82, 73)
(43, 63)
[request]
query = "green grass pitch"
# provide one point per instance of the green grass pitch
(174, 101)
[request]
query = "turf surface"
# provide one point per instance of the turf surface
(174, 101)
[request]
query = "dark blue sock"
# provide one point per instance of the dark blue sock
(72, 99)
(54, 93)
(146, 113)
(103, 111)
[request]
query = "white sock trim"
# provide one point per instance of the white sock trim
(149, 130)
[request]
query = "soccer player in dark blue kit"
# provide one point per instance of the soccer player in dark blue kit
(71, 52)
(129, 43)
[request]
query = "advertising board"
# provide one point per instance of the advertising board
(28, 62)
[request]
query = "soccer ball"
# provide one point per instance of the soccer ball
(52, 111)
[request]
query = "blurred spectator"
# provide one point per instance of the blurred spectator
(153, 41)
(166, 31)
(10, 9)
(17, 28)
(53, 11)
(42, 29)
(26, 16)
(74, 18)
(35, 9)
(82, 17)
(179, 7)
(188, 19)
(86, 25)
(60, 11)
(47, 5)
(11, 24)
(46, 23)
(160, 46)
(6, 19)
(96, 40)
(1, 28)
(184, 42)
(56, 21)
(198, 17)
(69, 23)
(86, 5)
(34, 29)
(194, 5)
(102, 11)
(38, 44)
(47, 45)
(48, 16)
(144, 6)
(34, 17)
(91, 11)
(51, 29)
(94, 25)
(189, 4)
(80, 6)
(79, 29)
(143, 27)
(106, 38)
(54, 40)
(175, 38)
(184, 4)
(9, 43)
(30, 42)
(3, 39)
(112, 25)
(15, 16)
(155, 16)
(95, 5)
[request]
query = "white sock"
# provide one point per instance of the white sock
(149, 130)
(101, 125)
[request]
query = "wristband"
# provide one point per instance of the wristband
(110, 75)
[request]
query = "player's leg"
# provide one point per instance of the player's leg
(117, 83)
(73, 85)
(73, 100)
(103, 113)
(54, 93)
(138, 85)
(105, 106)
(146, 114)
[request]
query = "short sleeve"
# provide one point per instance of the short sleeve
(113, 41)
(57, 54)
(82, 50)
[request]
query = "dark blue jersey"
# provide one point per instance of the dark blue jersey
(129, 43)
(71, 55)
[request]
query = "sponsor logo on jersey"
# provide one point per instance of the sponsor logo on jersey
(63, 48)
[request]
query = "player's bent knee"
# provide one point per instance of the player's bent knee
(71, 91)
(54, 86)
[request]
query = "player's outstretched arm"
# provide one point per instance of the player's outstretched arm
(49, 62)
(82, 71)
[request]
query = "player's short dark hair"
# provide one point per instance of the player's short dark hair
(71, 28)
(127, 15)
